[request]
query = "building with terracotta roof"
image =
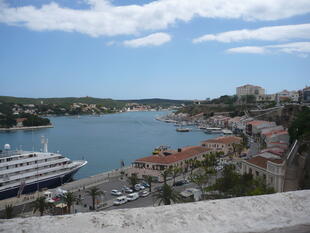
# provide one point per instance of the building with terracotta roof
(224, 144)
(276, 136)
(255, 127)
(154, 165)
(282, 145)
(268, 165)
(19, 122)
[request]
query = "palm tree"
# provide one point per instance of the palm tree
(167, 195)
(69, 199)
(165, 174)
(94, 192)
(8, 211)
(175, 172)
(149, 180)
(133, 180)
(41, 205)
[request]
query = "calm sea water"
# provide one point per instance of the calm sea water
(104, 141)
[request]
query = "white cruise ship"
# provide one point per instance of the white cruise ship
(25, 172)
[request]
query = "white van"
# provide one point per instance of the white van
(132, 196)
(120, 200)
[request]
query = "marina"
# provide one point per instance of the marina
(104, 141)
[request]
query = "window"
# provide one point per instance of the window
(257, 173)
(250, 170)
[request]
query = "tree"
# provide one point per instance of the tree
(237, 149)
(69, 199)
(133, 180)
(8, 212)
(200, 179)
(41, 205)
(300, 127)
(248, 99)
(167, 195)
(165, 174)
(232, 184)
(149, 180)
(93, 193)
(175, 172)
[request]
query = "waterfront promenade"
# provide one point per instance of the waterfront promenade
(74, 186)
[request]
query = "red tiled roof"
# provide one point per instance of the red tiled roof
(275, 132)
(257, 122)
(186, 153)
(225, 140)
(20, 119)
(275, 150)
(262, 161)
(281, 143)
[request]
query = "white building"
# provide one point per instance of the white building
(269, 166)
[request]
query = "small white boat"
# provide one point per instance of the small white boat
(227, 132)
(213, 130)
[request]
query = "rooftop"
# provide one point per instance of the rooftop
(186, 153)
(275, 132)
(258, 122)
(262, 161)
(224, 139)
(249, 85)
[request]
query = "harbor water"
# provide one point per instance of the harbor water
(104, 141)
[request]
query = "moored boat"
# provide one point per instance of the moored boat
(24, 172)
(213, 130)
(183, 129)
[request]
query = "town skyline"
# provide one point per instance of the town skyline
(266, 93)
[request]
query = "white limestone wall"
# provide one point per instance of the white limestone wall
(245, 214)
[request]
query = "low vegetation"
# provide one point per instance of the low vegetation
(232, 184)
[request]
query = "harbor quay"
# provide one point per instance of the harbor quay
(74, 186)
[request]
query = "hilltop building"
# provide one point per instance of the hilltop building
(250, 90)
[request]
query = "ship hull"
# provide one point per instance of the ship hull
(52, 182)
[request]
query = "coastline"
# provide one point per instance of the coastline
(26, 128)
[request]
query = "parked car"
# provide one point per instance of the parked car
(158, 188)
(115, 192)
(180, 183)
(139, 187)
(132, 196)
(127, 190)
(146, 185)
(144, 193)
(120, 200)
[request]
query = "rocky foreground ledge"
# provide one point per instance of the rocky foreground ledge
(267, 213)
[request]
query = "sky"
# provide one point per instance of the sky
(133, 49)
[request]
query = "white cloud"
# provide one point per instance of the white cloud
(155, 39)
(301, 49)
(248, 49)
(104, 19)
(275, 33)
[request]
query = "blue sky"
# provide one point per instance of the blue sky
(178, 49)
